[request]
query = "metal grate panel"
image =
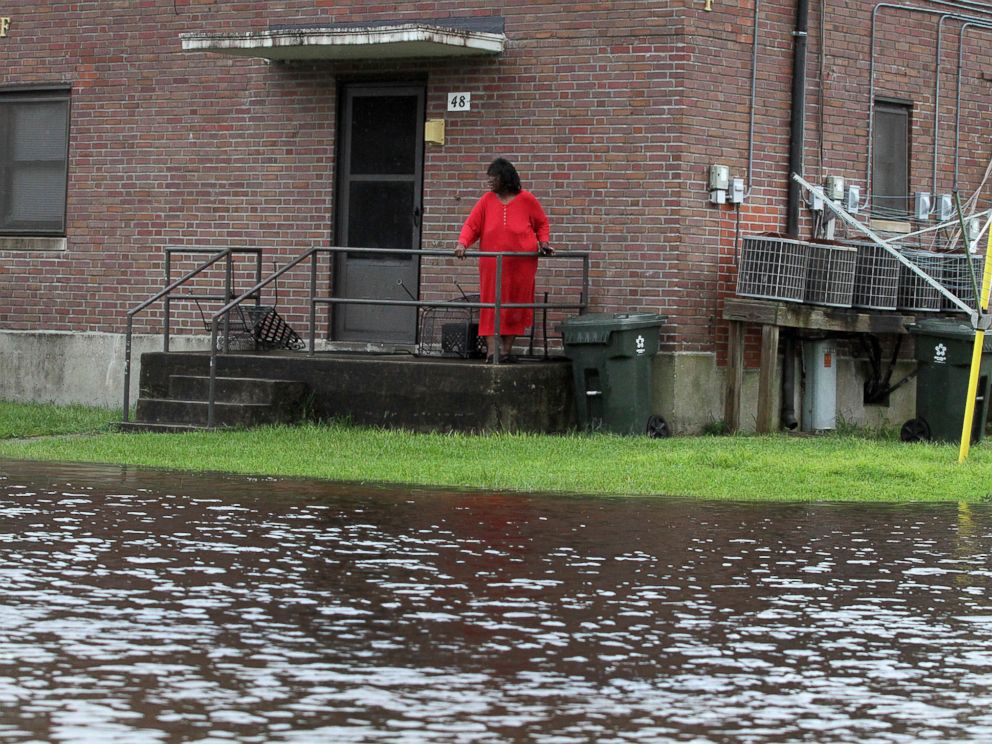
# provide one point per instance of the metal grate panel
(957, 279)
(830, 274)
(876, 278)
(914, 293)
(773, 269)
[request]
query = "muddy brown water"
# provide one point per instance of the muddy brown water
(144, 606)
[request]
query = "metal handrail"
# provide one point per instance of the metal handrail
(228, 279)
(224, 311)
(313, 300)
(224, 253)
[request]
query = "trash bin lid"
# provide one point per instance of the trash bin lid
(947, 328)
(595, 328)
(613, 321)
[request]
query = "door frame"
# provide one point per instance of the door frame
(373, 87)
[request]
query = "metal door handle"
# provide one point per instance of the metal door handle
(416, 216)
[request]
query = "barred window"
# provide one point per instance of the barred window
(34, 143)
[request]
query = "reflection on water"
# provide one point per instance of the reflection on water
(144, 606)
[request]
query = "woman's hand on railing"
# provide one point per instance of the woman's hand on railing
(460, 251)
(545, 249)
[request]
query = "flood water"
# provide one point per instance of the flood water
(144, 606)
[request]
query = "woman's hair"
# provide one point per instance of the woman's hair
(508, 177)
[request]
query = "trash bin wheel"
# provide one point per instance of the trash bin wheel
(915, 430)
(658, 428)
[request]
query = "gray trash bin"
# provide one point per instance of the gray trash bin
(943, 351)
(612, 356)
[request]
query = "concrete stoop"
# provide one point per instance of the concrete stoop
(239, 402)
(394, 391)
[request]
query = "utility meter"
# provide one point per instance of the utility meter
(974, 227)
(737, 191)
(946, 207)
(719, 183)
(853, 199)
(719, 177)
(834, 188)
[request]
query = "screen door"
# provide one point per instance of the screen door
(380, 181)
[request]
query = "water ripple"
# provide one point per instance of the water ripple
(144, 606)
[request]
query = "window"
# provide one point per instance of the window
(34, 143)
(890, 160)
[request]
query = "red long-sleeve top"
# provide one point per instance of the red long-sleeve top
(517, 226)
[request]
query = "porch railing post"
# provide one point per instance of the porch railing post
(228, 279)
(168, 304)
(497, 336)
(258, 274)
(127, 368)
(313, 302)
(584, 299)
(212, 386)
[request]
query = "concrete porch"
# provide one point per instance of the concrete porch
(394, 390)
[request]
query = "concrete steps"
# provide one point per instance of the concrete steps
(236, 389)
(239, 402)
(393, 391)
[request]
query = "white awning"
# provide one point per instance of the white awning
(351, 42)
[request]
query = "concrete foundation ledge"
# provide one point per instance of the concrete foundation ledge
(67, 367)
(690, 388)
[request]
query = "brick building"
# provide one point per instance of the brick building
(127, 127)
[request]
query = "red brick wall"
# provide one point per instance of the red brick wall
(612, 112)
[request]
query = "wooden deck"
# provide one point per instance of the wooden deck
(773, 316)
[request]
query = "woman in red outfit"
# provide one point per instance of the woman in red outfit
(508, 218)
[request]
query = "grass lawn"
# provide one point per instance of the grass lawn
(39, 419)
(849, 467)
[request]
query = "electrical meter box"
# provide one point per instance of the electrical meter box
(719, 177)
(974, 227)
(946, 207)
(834, 188)
(853, 199)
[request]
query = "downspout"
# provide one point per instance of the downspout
(796, 141)
(754, 98)
(798, 116)
(789, 420)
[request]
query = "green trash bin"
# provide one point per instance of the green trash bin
(612, 355)
(943, 353)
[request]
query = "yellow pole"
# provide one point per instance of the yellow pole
(976, 358)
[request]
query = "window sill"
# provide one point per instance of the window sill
(32, 244)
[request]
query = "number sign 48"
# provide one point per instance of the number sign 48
(459, 101)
